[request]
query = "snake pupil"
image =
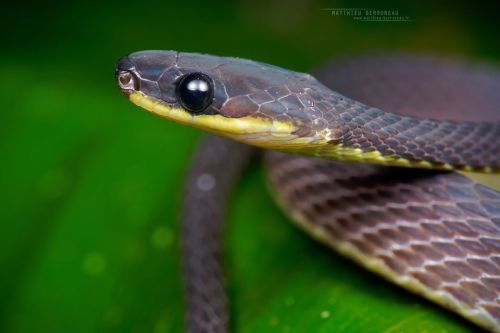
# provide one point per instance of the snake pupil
(195, 92)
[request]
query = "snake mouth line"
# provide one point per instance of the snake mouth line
(230, 126)
(257, 131)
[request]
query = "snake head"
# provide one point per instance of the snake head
(249, 101)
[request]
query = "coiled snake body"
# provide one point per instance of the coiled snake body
(409, 218)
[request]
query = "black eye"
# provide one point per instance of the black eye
(195, 92)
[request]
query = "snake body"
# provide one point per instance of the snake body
(434, 232)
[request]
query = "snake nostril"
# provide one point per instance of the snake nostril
(127, 81)
(125, 75)
(125, 78)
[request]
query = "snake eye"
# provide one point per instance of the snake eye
(195, 92)
(127, 80)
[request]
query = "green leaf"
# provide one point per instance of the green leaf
(91, 185)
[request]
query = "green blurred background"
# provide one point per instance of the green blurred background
(91, 185)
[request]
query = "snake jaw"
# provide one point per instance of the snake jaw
(271, 134)
(261, 132)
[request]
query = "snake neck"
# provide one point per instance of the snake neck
(356, 132)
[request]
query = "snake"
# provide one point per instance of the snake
(367, 155)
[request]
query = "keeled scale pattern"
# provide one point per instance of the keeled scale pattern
(427, 230)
